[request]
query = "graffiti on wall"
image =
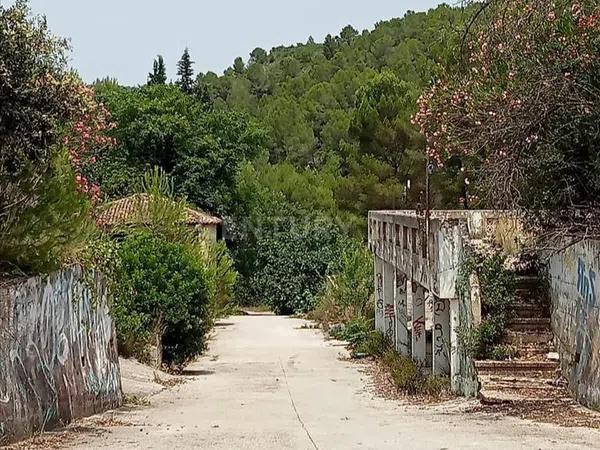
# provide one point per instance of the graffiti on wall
(586, 282)
(442, 325)
(418, 324)
(576, 317)
(379, 302)
(389, 315)
(58, 355)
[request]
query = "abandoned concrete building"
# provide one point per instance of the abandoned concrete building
(555, 324)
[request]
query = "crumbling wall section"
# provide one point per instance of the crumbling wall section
(574, 280)
(58, 353)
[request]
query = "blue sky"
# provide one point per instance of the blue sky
(120, 38)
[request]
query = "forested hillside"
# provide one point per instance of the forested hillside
(347, 103)
(293, 145)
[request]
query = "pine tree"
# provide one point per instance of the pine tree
(330, 47)
(239, 66)
(185, 72)
(159, 72)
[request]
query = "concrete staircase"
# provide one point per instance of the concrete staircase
(532, 374)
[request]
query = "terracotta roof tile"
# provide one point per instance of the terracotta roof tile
(123, 212)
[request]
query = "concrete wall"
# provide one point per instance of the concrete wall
(58, 354)
(430, 256)
(574, 281)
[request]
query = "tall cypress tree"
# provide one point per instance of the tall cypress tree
(159, 72)
(185, 72)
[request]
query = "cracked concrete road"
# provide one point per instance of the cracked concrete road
(267, 383)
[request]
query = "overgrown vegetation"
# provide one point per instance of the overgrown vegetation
(163, 299)
(51, 128)
(292, 147)
(521, 113)
(406, 375)
(497, 290)
(347, 295)
(410, 379)
(171, 283)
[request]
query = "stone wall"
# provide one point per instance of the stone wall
(573, 276)
(58, 353)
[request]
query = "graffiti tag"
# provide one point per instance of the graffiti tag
(586, 283)
(419, 327)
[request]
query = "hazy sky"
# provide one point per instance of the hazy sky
(120, 38)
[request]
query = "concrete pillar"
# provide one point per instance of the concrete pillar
(454, 356)
(400, 305)
(441, 336)
(419, 341)
(389, 312)
(379, 302)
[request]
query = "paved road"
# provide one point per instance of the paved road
(269, 384)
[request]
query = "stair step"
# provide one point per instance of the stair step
(524, 338)
(516, 367)
(535, 350)
(527, 282)
(530, 324)
(505, 381)
(530, 310)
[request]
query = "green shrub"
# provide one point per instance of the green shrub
(222, 278)
(290, 266)
(361, 336)
(409, 378)
(374, 344)
(497, 287)
(41, 235)
(347, 293)
(163, 295)
(503, 352)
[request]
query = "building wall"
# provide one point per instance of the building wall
(574, 282)
(210, 231)
(58, 353)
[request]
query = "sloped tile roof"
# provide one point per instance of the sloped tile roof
(123, 212)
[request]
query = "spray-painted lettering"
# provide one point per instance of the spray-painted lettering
(586, 282)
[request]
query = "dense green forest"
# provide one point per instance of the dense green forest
(293, 146)
(338, 109)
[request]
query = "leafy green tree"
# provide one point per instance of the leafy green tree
(291, 266)
(207, 168)
(154, 121)
(159, 72)
(348, 34)
(185, 72)
(51, 129)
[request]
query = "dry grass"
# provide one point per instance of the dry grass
(562, 411)
(381, 383)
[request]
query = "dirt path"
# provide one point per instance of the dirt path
(267, 383)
